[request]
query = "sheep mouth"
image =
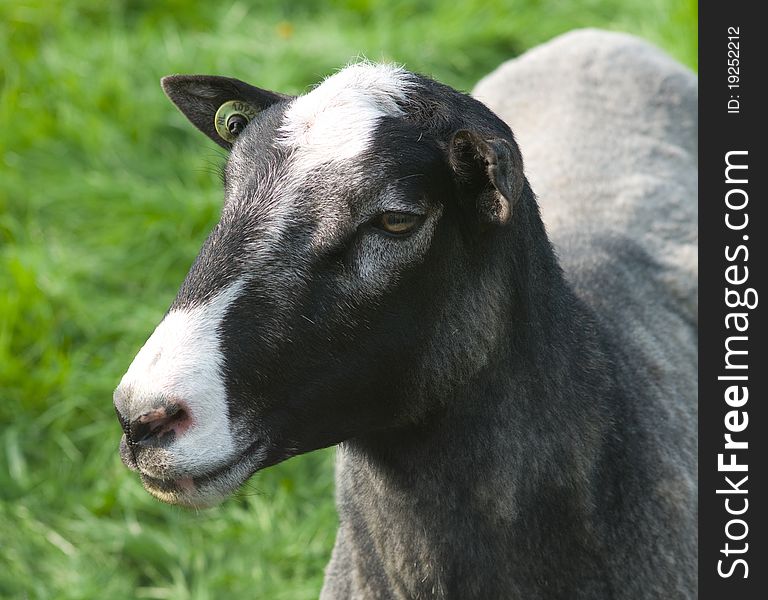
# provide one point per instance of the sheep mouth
(210, 488)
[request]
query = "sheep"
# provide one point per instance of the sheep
(509, 424)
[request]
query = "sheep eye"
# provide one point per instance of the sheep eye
(397, 223)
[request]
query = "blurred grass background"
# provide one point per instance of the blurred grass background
(106, 194)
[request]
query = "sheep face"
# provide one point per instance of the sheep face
(309, 316)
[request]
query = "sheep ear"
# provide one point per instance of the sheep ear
(209, 101)
(490, 170)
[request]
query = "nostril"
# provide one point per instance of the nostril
(157, 423)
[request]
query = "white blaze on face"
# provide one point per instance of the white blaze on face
(336, 120)
(182, 362)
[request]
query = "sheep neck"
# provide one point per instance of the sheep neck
(502, 469)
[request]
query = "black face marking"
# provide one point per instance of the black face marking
(247, 176)
(328, 334)
(322, 344)
(337, 359)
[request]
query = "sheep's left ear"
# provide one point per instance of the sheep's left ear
(490, 170)
(220, 107)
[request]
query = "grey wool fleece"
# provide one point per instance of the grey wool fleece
(566, 466)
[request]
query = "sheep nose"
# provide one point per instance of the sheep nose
(156, 426)
(153, 425)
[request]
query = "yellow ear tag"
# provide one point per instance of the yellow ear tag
(232, 117)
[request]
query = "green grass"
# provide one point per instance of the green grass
(106, 194)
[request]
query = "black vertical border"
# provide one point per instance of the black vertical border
(720, 132)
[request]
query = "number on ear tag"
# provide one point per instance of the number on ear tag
(232, 117)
